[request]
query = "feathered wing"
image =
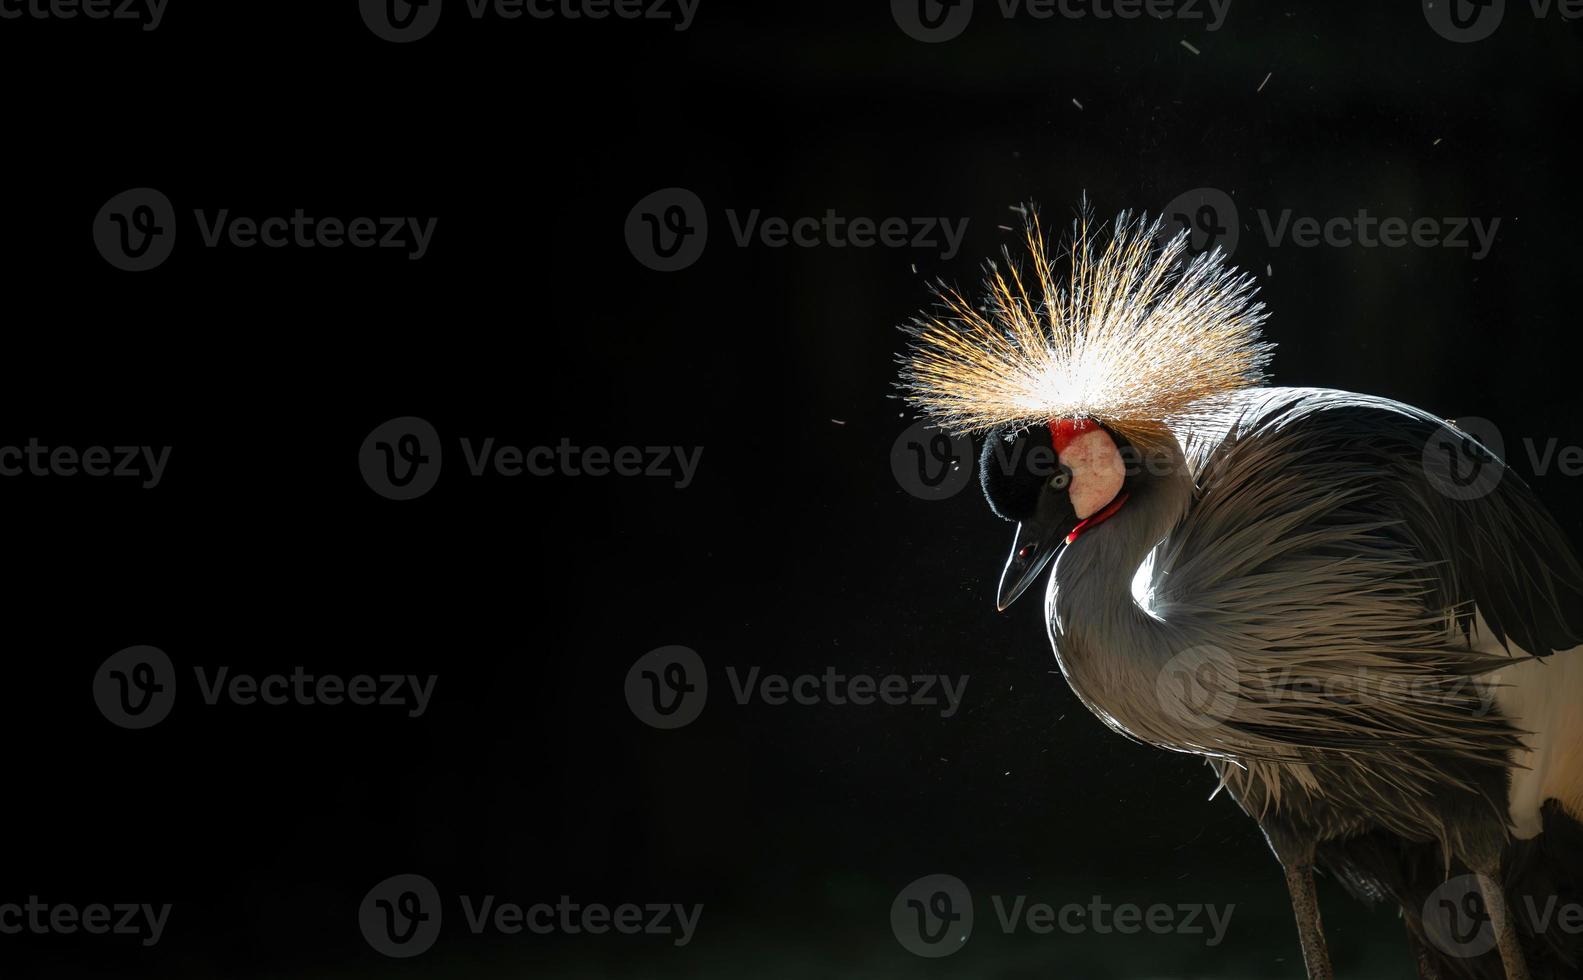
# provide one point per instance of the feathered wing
(1382, 687)
(1487, 543)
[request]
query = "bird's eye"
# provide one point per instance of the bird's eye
(1062, 479)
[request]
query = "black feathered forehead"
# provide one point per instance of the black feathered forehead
(1013, 466)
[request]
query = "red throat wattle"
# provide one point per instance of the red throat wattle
(1108, 512)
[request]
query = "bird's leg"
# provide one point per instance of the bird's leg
(1305, 905)
(1505, 930)
(1297, 860)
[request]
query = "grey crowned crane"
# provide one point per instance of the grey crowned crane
(1349, 607)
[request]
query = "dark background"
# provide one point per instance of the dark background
(794, 550)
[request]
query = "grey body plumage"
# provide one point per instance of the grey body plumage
(1318, 640)
(1333, 618)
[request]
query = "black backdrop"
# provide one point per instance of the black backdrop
(795, 550)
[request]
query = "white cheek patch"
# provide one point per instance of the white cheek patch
(1097, 471)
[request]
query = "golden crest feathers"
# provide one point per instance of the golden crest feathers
(1139, 333)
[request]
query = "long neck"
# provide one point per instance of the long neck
(1110, 650)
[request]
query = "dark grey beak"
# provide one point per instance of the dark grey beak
(1036, 543)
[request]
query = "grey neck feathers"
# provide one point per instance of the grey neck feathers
(1109, 648)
